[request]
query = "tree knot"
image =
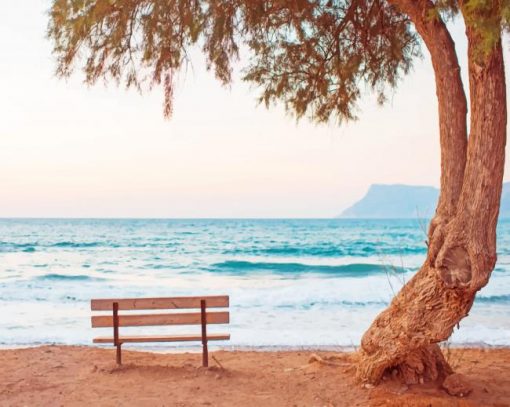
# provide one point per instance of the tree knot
(454, 267)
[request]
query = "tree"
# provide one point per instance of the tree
(313, 56)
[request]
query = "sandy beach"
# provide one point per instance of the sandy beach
(72, 375)
(317, 190)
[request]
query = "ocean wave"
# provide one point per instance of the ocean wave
(65, 277)
(361, 249)
(6, 247)
(346, 270)
(154, 266)
(31, 247)
(328, 304)
(504, 298)
(76, 245)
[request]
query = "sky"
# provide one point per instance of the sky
(69, 150)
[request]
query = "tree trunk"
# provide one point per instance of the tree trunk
(462, 248)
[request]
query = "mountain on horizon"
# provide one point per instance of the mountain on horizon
(406, 201)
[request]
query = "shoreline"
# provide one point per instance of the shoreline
(87, 375)
(241, 348)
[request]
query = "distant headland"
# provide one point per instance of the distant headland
(406, 201)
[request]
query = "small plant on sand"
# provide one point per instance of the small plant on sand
(453, 355)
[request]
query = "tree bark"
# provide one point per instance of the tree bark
(452, 104)
(462, 236)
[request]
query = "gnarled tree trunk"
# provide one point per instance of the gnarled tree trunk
(462, 236)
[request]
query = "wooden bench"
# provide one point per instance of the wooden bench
(202, 318)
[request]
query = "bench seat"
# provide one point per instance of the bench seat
(162, 338)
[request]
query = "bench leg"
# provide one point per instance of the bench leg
(116, 342)
(119, 354)
(205, 356)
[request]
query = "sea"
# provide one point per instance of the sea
(293, 283)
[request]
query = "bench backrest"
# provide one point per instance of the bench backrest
(172, 303)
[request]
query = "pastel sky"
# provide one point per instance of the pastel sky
(67, 150)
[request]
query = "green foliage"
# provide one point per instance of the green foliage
(312, 55)
(128, 41)
(505, 14)
(487, 18)
(448, 8)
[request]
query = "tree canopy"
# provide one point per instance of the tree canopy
(311, 55)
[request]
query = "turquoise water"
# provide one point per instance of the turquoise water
(291, 282)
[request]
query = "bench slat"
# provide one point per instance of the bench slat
(216, 301)
(163, 338)
(190, 318)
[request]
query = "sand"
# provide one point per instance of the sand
(88, 376)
